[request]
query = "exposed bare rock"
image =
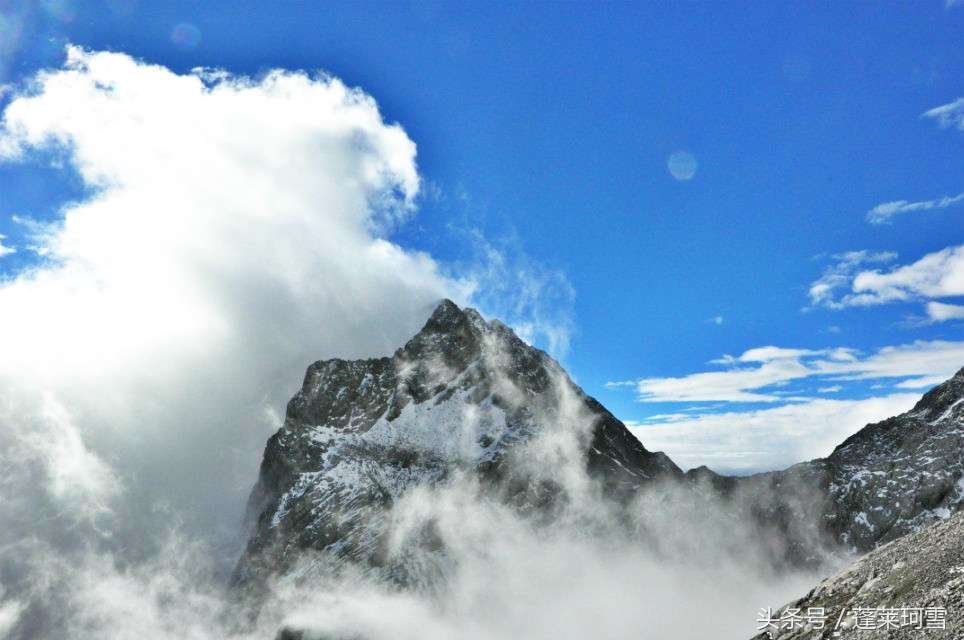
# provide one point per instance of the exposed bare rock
(903, 589)
(460, 396)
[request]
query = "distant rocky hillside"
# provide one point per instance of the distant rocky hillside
(910, 588)
(885, 481)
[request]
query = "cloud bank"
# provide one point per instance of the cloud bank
(748, 441)
(232, 231)
(800, 422)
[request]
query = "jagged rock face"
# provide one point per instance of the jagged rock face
(467, 397)
(919, 571)
(461, 396)
(887, 480)
(894, 476)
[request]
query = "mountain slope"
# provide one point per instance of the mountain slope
(466, 398)
(892, 477)
(923, 570)
(463, 395)
(885, 481)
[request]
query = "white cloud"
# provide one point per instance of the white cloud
(940, 312)
(5, 250)
(950, 114)
(934, 360)
(10, 612)
(717, 320)
(840, 273)
(732, 385)
(883, 212)
(235, 231)
(766, 439)
(936, 275)
(776, 366)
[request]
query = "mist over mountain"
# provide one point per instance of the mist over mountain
(546, 260)
(410, 471)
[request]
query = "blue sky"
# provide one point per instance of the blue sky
(545, 132)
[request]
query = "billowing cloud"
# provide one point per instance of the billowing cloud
(755, 375)
(884, 212)
(233, 230)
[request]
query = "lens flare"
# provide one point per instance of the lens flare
(185, 36)
(62, 10)
(682, 165)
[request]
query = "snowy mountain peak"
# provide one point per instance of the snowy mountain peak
(463, 395)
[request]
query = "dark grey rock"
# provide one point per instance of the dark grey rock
(465, 395)
(885, 481)
(461, 395)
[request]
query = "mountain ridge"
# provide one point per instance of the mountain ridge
(467, 396)
(463, 393)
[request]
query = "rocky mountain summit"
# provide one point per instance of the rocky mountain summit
(461, 396)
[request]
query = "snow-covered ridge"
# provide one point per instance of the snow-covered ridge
(459, 397)
(465, 397)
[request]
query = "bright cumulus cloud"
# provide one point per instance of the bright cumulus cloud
(233, 230)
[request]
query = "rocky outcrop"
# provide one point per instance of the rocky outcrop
(885, 481)
(460, 396)
(910, 588)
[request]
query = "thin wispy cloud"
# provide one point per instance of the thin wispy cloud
(5, 250)
(948, 115)
(757, 375)
(840, 273)
(883, 213)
